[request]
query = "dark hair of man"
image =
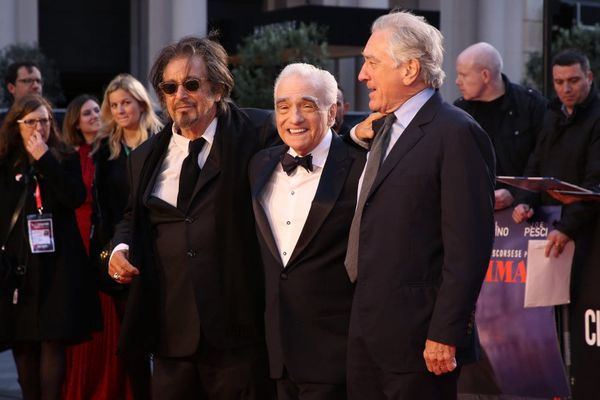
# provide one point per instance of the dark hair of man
(11, 142)
(214, 57)
(13, 71)
(70, 133)
(570, 57)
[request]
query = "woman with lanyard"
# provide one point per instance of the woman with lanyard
(47, 301)
(128, 119)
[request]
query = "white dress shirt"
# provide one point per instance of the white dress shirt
(287, 199)
(167, 182)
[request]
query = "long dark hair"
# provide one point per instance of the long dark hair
(11, 142)
(70, 133)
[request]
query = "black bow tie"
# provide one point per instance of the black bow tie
(290, 163)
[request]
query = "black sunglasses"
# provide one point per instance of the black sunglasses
(190, 84)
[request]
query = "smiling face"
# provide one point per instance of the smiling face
(384, 79)
(125, 109)
(572, 84)
(301, 116)
(89, 118)
(42, 129)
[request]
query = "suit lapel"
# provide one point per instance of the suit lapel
(153, 162)
(266, 166)
(409, 138)
(330, 186)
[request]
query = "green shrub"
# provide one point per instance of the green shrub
(586, 39)
(26, 52)
(265, 52)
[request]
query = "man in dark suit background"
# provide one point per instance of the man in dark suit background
(304, 195)
(422, 234)
(187, 243)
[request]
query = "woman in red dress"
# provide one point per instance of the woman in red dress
(93, 369)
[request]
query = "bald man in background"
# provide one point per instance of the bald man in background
(509, 113)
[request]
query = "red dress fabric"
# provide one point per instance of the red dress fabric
(93, 370)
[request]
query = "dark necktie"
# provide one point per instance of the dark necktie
(376, 156)
(189, 174)
(289, 163)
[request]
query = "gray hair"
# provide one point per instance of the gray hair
(321, 78)
(413, 38)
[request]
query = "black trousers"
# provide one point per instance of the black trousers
(289, 389)
(214, 374)
(367, 381)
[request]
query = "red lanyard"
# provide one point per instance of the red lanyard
(38, 196)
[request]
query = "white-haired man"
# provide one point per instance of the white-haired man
(304, 195)
(422, 234)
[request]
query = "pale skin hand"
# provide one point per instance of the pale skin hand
(440, 358)
(120, 265)
(503, 199)
(36, 146)
(556, 243)
(364, 130)
(521, 213)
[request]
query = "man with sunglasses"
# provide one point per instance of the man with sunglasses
(23, 78)
(187, 244)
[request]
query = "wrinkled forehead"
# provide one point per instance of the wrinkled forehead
(184, 66)
(297, 88)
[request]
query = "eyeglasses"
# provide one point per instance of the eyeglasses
(190, 84)
(31, 123)
(29, 81)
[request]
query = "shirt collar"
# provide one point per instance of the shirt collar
(183, 142)
(407, 111)
(319, 153)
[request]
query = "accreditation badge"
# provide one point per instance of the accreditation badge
(41, 233)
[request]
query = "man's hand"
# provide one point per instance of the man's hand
(556, 243)
(522, 212)
(120, 269)
(503, 199)
(440, 358)
(364, 130)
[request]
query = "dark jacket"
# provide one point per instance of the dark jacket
(229, 292)
(520, 120)
(425, 240)
(56, 300)
(308, 303)
(568, 149)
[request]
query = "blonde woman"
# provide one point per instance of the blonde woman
(128, 119)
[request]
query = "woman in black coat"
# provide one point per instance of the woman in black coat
(48, 302)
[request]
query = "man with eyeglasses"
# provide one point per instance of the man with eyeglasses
(304, 195)
(187, 245)
(23, 78)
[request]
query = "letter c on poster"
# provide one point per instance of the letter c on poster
(592, 317)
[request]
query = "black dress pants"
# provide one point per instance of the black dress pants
(367, 381)
(213, 374)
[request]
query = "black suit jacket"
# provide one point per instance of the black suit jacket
(229, 290)
(425, 240)
(308, 302)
